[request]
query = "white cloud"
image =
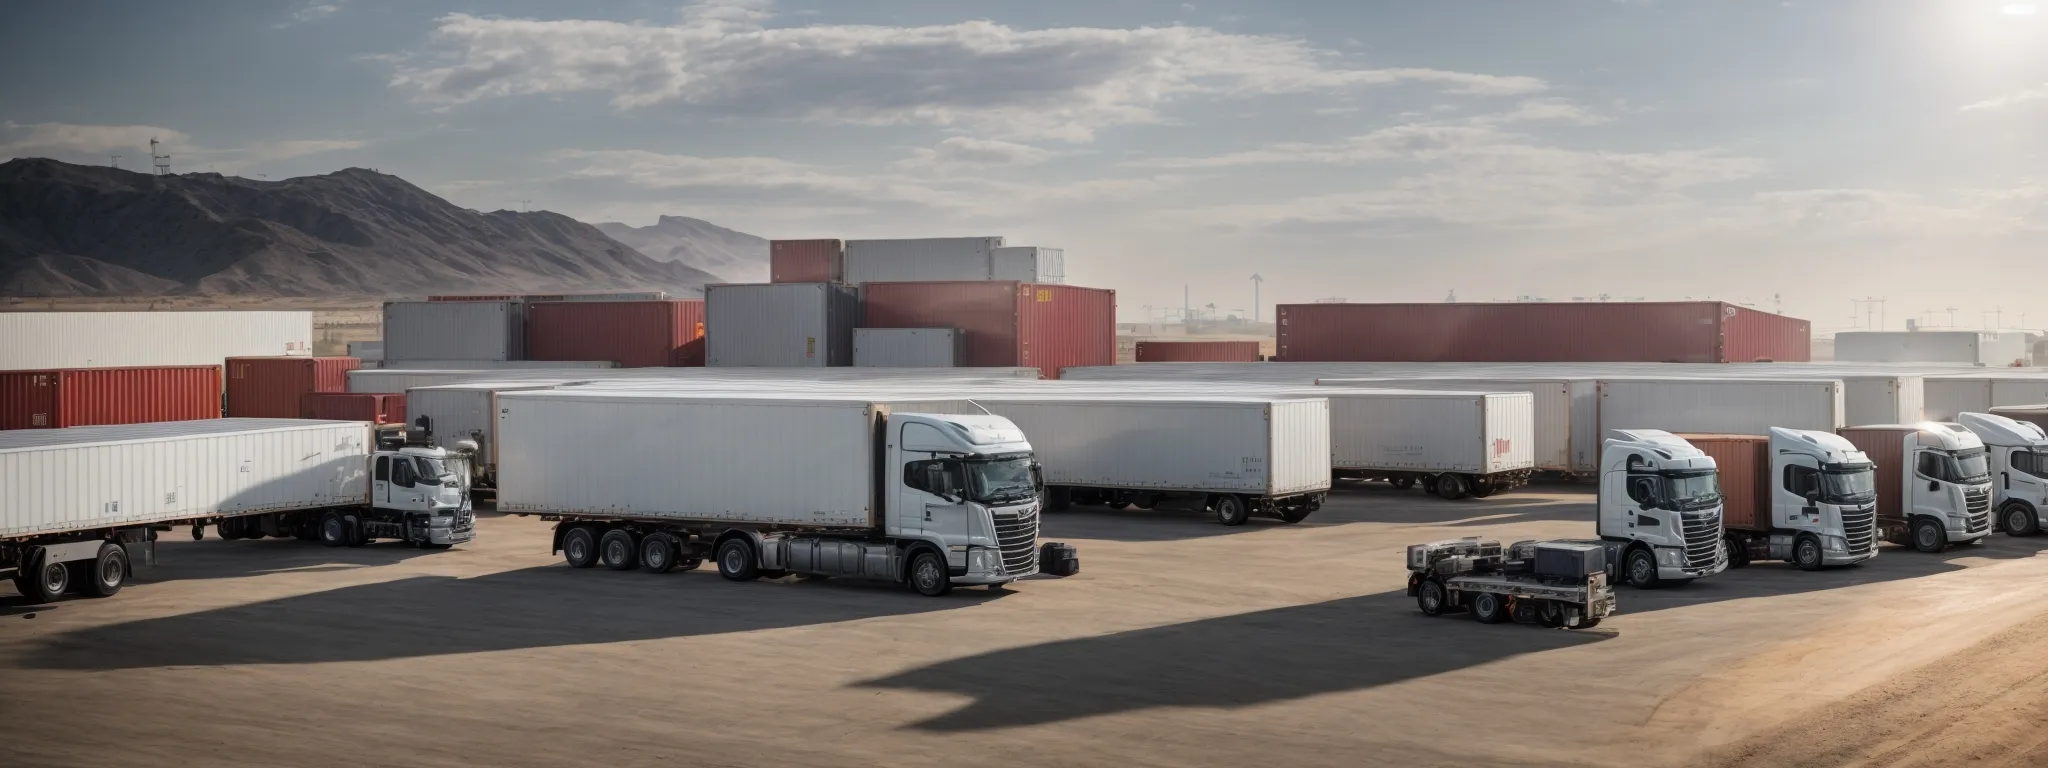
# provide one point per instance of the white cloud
(1000, 81)
(962, 153)
(311, 11)
(2009, 100)
(92, 144)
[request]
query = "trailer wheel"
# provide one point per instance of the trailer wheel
(736, 560)
(1928, 535)
(109, 570)
(1403, 482)
(1451, 486)
(658, 553)
(579, 547)
(1230, 510)
(1806, 553)
(1145, 500)
(358, 531)
(1295, 513)
(617, 550)
(1428, 484)
(1738, 551)
(928, 574)
(1430, 598)
(1640, 568)
(1483, 487)
(2020, 521)
(1489, 608)
(44, 581)
(333, 530)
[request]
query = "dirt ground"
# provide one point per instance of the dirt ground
(1181, 643)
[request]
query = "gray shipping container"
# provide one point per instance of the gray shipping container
(931, 259)
(454, 330)
(780, 325)
(1029, 264)
(908, 347)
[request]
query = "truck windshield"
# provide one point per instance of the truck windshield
(1849, 483)
(431, 471)
(1972, 467)
(994, 481)
(1692, 490)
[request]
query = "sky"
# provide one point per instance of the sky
(1794, 155)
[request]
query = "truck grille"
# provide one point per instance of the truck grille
(1017, 535)
(1702, 540)
(1978, 504)
(1859, 526)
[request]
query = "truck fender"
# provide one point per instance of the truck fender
(910, 552)
(561, 529)
(761, 551)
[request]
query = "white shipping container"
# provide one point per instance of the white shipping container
(930, 259)
(122, 339)
(1029, 264)
(1883, 400)
(397, 381)
(454, 330)
(57, 480)
(908, 347)
(1265, 446)
(458, 412)
(800, 461)
(785, 325)
(1993, 348)
(367, 351)
(1948, 396)
(1721, 406)
(497, 365)
(1556, 406)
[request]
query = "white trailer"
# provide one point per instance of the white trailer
(1948, 397)
(79, 505)
(773, 485)
(465, 417)
(1564, 414)
(398, 381)
(1994, 348)
(1721, 406)
(1883, 399)
(37, 340)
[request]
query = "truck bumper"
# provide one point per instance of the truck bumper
(451, 536)
(1834, 559)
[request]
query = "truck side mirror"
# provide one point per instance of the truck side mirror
(1812, 496)
(1648, 505)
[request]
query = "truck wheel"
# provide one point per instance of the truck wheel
(579, 547)
(2020, 521)
(1430, 598)
(109, 570)
(333, 530)
(358, 531)
(1120, 500)
(1738, 552)
(1403, 482)
(1428, 484)
(928, 574)
(1230, 509)
(1551, 614)
(44, 581)
(617, 550)
(736, 560)
(1806, 554)
(1145, 500)
(657, 553)
(1296, 513)
(1640, 569)
(1928, 535)
(1452, 487)
(1489, 608)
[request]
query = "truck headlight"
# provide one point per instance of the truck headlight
(983, 560)
(1837, 544)
(1667, 557)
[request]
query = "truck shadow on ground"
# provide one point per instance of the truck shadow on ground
(429, 616)
(186, 560)
(1146, 525)
(1767, 579)
(1240, 660)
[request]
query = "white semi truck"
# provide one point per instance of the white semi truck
(773, 485)
(1933, 483)
(1802, 496)
(2018, 452)
(1659, 509)
(80, 506)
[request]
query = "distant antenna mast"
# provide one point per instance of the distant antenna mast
(528, 204)
(161, 162)
(117, 160)
(1256, 280)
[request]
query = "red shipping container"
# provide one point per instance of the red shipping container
(353, 406)
(1006, 323)
(1744, 464)
(634, 334)
(806, 261)
(1649, 332)
(1886, 447)
(1198, 351)
(270, 387)
(83, 397)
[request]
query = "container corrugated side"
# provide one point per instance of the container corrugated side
(1886, 448)
(46, 340)
(1168, 444)
(920, 259)
(1301, 446)
(1947, 396)
(350, 406)
(487, 366)
(1744, 464)
(272, 387)
(907, 347)
(1063, 326)
(985, 312)
(1882, 400)
(1028, 264)
(459, 412)
(1197, 351)
(2018, 391)
(1428, 431)
(634, 334)
(1510, 431)
(806, 261)
(1677, 332)
(1908, 347)
(780, 325)
(1723, 406)
(79, 397)
(1552, 411)
(1751, 336)
(454, 330)
(93, 477)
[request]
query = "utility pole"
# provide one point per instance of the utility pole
(162, 163)
(117, 161)
(1256, 280)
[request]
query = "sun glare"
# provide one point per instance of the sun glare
(2022, 9)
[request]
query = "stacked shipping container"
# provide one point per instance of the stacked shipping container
(349, 406)
(785, 325)
(272, 387)
(78, 397)
(806, 261)
(1198, 351)
(454, 330)
(1677, 332)
(1006, 323)
(634, 334)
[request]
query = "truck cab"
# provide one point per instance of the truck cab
(966, 486)
(419, 494)
(1823, 500)
(2018, 458)
(1659, 508)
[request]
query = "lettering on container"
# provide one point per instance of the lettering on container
(1501, 446)
(1044, 295)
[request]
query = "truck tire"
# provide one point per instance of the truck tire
(1489, 608)
(109, 571)
(358, 531)
(1482, 488)
(1551, 614)
(618, 551)
(1296, 513)
(1145, 500)
(333, 530)
(1230, 510)
(1403, 482)
(1451, 486)
(1928, 535)
(1806, 553)
(2020, 520)
(928, 574)
(1639, 568)
(1428, 483)
(658, 553)
(1431, 599)
(579, 547)
(1738, 551)
(43, 582)
(736, 560)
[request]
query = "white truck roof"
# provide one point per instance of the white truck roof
(1994, 429)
